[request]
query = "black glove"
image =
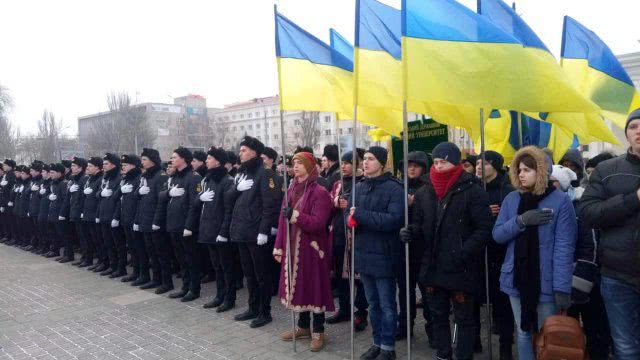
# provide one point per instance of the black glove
(406, 236)
(535, 217)
(563, 301)
(583, 278)
(287, 212)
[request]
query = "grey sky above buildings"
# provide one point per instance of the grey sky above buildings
(67, 55)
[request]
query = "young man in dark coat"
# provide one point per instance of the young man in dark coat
(156, 243)
(6, 207)
(165, 251)
(332, 173)
(215, 218)
(76, 205)
(451, 215)
(108, 202)
(43, 212)
(269, 158)
(22, 207)
(126, 214)
(34, 203)
(92, 230)
(56, 197)
(208, 274)
(183, 192)
(254, 197)
(498, 187)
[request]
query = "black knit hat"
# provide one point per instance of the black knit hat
(348, 157)
(331, 152)
(112, 158)
(200, 155)
(131, 159)
(184, 153)
(19, 168)
(232, 158)
(380, 153)
(66, 163)
(153, 155)
(471, 159)
(218, 153)
(419, 158)
(303, 149)
(96, 161)
(57, 167)
(447, 151)
(253, 144)
(10, 163)
(37, 165)
(635, 114)
(495, 159)
(270, 153)
(26, 169)
(80, 162)
(46, 167)
(593, 162)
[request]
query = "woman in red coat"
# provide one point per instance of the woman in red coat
(309, 212)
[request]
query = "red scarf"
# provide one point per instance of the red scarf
(443, 181)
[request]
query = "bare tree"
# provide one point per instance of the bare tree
(308, 129)
(48, 137)
(7, 134)
(124, 130)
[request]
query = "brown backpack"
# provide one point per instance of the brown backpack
(561, 338)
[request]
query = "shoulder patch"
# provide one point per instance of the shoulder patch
(199, 187)
(272, 184)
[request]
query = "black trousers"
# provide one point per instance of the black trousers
(205, 261)
(82, 240)
(304, 321)
(138, 250)
(13, 224)
(115, 247)
(66, 236)
(121, 247)
(595, 323)
(43, 230)
(414, 271)
(221, 255)
(98, 243)
(54, 236)
(159, 246)
(35, 231)
(88, 251)
(344, 297)
(130, 247)
(186, 248)
(24, 224)
(257, 269)
(440, 303)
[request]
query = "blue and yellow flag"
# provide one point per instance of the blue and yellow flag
(597, 73)
(453, 56)
(311, 75)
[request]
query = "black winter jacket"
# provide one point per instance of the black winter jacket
(34, 196)
(59, 189)
(610, 203)
(8, 179)
(179, 213)
(91, 193)
(108, 204)
(155, 180)
(254, 210)
(45, 190)
(23, 203)
(215, 215)
(128, 204)
(74, 203)
(455, 230)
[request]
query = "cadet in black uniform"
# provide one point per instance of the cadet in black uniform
(126, 214)
(208, 273)
(22, 207)
(34, 204)
(161, 239)
(42, 227)
(255, 210)
(75, 186)
(6, 206)
(185, 187)
(92, 230)
(107, 208)
(57, 194)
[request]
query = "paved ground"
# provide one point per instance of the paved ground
(57, 311)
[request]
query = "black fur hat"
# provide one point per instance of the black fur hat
(131, 159)
(37, 165)
(253, 144)
(10, 163)
(80, 162)
(96, 161)
(270, 153)
(153, 155)
(303, 149)
(218, 153)
(184, 153)
(57, 167)
(112, 158)
(331, 152)
(66, 163)
(231, 157)
(200, 155)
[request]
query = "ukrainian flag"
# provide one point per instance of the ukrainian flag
(311, 75)
(597, 73)
(453, 56)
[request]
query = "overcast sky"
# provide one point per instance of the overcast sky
(66, 55)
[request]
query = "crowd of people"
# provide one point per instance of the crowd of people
(559, 237)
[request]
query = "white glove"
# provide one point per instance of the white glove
(73, 188)
(28, 214)
(53, 197)
(176, 191)
(244, 184)
(115, 223)
(274, 231)
(186, 233)
(88, 191)
(42, 191)
(207, 196)
(136, 227)
(35, 187)
(61, 218)
(1, 209)
(97, 221)
(3, 183)
(262, 239)
(155, 227)
(126, 188)
(10, 204)
(21, 188)
(144, 190)
(106, 192)
(221, 239)
(82, 216)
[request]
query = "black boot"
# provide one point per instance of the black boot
(260, 321)
(94, 266)
(401, 332)
(226, 306)
(66, 260)
(150, 285)
(101, 268)
(386, 355)
(215, 302)
(207, 279)
(139, 281)
(178, 294)
(107, 271)
(117, 274)
(371, 354)
(340, 316)
(247, 315)
(164, 289)
(190, 296)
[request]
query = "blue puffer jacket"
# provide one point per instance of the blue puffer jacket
(380, 215)
(557, 244)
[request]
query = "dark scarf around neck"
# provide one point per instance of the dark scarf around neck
(250, 165)
(443, 181)
(216, 174)
(150, 172)
(132, 174)
(526, 267)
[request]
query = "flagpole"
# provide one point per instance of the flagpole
(405, 176)
(344, 224)
(486, 250)
(352, 280)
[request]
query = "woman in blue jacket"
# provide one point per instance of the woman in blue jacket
(538, 224)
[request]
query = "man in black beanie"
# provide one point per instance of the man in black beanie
(106, 210)
(43, 212)
(92, 230)
(76, 205)
(199, 157)
(332, 173)
(254, 197)
(208, 273)
(6, 188)
(56, 197)
(34, 203)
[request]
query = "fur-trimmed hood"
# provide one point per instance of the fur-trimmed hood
(543, 169)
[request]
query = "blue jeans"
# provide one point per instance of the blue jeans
(622, 302)
(383, 311)
(525, 338)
